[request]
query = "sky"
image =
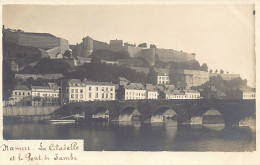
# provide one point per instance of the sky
(223, 36)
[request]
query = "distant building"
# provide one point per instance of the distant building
(21, 96)
(135, 91)
(78, 91)
(152, 92)
(192, 94)
(45, 95)
(191, 77)
(242, 93)
(179, 94)
(123, 81)
(174, 94)
(163, 78)
(81, 60)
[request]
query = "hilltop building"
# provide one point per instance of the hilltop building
(78, 91)
(190, 77)
(242, 93)
(163, 78)
(89, 45)
(47, 44)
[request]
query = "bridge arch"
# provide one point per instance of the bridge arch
(101, 112)
(162, 113)
(129, 113)
(213, 116)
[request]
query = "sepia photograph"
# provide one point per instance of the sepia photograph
(131, 77)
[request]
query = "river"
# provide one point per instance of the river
(137, 136)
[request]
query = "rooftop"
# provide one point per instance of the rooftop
(21, 87)
(77, 82)
(136, 86)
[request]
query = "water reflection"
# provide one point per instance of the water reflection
(138, 136)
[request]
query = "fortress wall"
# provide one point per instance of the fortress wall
(38, 41)
(64, 45)
(35, 76)
(100, 45)
(173, 55)
(148, 55)
(28, 110)
(11, 37)
(133, 51)
(225, 76)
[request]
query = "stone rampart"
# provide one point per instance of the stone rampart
(28, 110)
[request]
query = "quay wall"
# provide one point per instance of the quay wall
(28, 110)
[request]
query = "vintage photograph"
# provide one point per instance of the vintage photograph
(136, 77)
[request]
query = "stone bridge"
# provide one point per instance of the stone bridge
(232, 111)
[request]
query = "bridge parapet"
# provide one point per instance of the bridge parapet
(232, 110)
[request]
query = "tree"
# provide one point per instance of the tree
(151, 76)
(216, 71)
(67, 54)
(142, 45)
(153, 46)
(221, 71)
(210, 71)
(204, 67)
(8, 80)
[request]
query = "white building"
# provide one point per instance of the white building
(21, 95)
(90, 91)
(248, 93)
(152, 92)
(163, 78)
(45, 95)
(192, 94)
(175, 94)
(135, 91)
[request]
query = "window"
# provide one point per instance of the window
(15, 93)
(19, 93)
(28, 93)
(23, 93)
(103, 95)
(76, 90)
(96, 95)
(111, 88)
(81, 96)
(107, 95)
(126, 93)
(89, 94)
(72, 96)
(96, 88)
(72, 90)
(102, 88)
(81, 90)
(111, 95)
(106, 88)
